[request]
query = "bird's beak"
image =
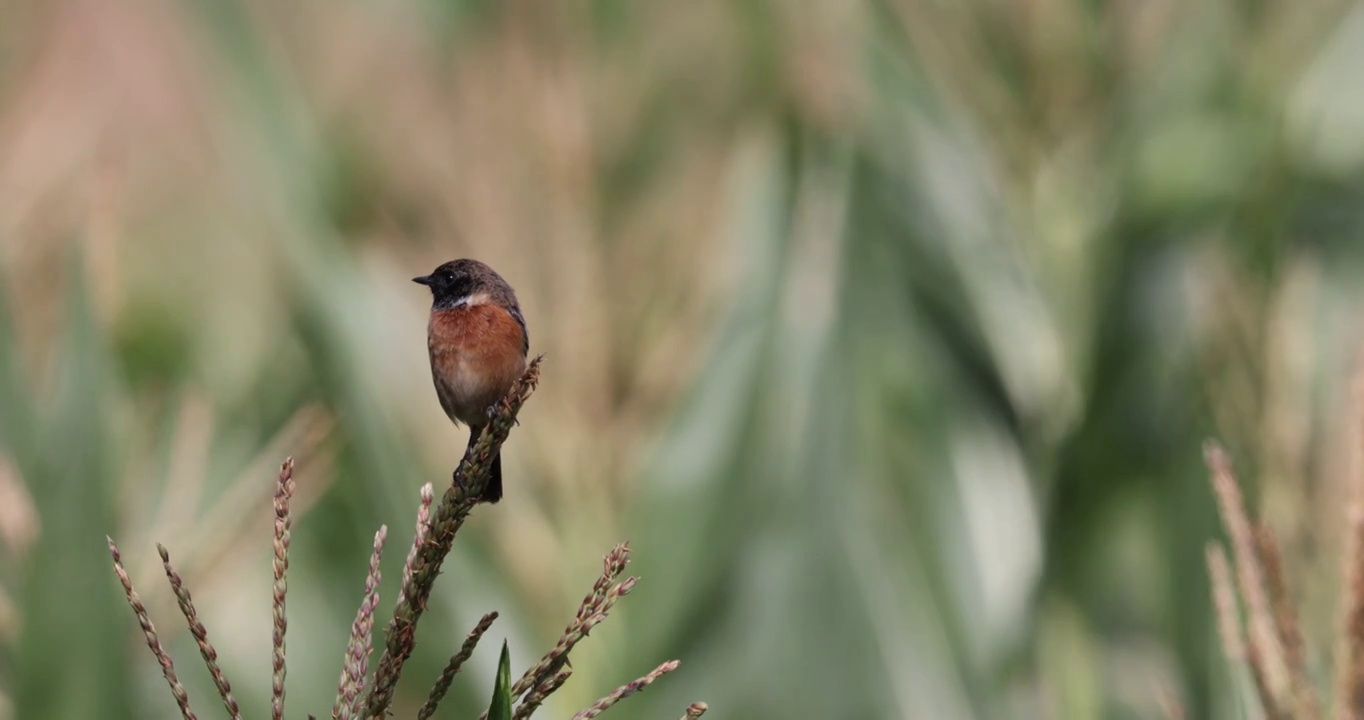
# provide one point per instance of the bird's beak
(423, 280)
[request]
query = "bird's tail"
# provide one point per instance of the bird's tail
(492, 492)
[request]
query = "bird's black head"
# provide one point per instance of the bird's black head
(458, 280)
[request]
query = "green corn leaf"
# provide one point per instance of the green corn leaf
(501, 707)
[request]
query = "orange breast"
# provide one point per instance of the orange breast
(476, 355)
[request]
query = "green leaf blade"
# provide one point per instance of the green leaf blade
(501, 706)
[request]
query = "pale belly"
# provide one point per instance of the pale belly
(468, 389)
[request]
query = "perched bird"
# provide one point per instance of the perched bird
(478, 343)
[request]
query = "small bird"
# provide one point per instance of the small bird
(478, 343)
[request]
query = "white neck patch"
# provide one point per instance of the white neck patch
(471, 300)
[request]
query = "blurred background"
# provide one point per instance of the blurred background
(887, 332)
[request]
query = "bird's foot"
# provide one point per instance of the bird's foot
(494, 410)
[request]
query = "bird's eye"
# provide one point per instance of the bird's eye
(447, 276)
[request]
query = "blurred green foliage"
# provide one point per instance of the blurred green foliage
(886, 331)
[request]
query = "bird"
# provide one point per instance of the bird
(477, 341)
